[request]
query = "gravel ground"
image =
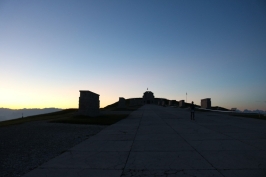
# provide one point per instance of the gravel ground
(27, 146)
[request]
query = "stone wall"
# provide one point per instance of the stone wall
(172, 102)
(89, 103)
(133, 102)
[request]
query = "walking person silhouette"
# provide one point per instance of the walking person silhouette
(192, 109)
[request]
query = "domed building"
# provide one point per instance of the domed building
(148, 98)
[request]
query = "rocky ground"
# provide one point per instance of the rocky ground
(26, 146)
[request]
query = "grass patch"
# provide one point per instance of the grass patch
(124, 109)
(68, 116)
(115, 108)
(40, 117)
(99, 120)
(110, 107)
(219, 108)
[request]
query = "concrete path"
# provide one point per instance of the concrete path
(163, 141)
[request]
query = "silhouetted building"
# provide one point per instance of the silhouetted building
(181, 103)
(206, 103)
(148, 98)
(89, 103)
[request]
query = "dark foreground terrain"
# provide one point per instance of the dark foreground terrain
(24, 147)
(29, 142)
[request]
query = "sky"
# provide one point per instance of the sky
(51, 49)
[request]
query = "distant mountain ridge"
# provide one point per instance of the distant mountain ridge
(7, 114)
(254, 111)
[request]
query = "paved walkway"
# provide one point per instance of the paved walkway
(163, 141)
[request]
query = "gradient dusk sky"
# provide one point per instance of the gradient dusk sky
(51, 49)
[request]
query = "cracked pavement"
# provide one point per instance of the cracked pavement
(163, 141)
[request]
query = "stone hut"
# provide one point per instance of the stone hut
(89, 103)
(206, 103)
(181, 103)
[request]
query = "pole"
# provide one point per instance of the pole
(186, 97)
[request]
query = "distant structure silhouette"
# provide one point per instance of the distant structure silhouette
(206, 103)
(121, 102)
(182, 103)
(148, 97)
(192, 109)
(89, 103)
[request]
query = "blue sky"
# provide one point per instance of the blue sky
(51, 49)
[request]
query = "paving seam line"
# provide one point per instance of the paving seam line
(123, 170)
